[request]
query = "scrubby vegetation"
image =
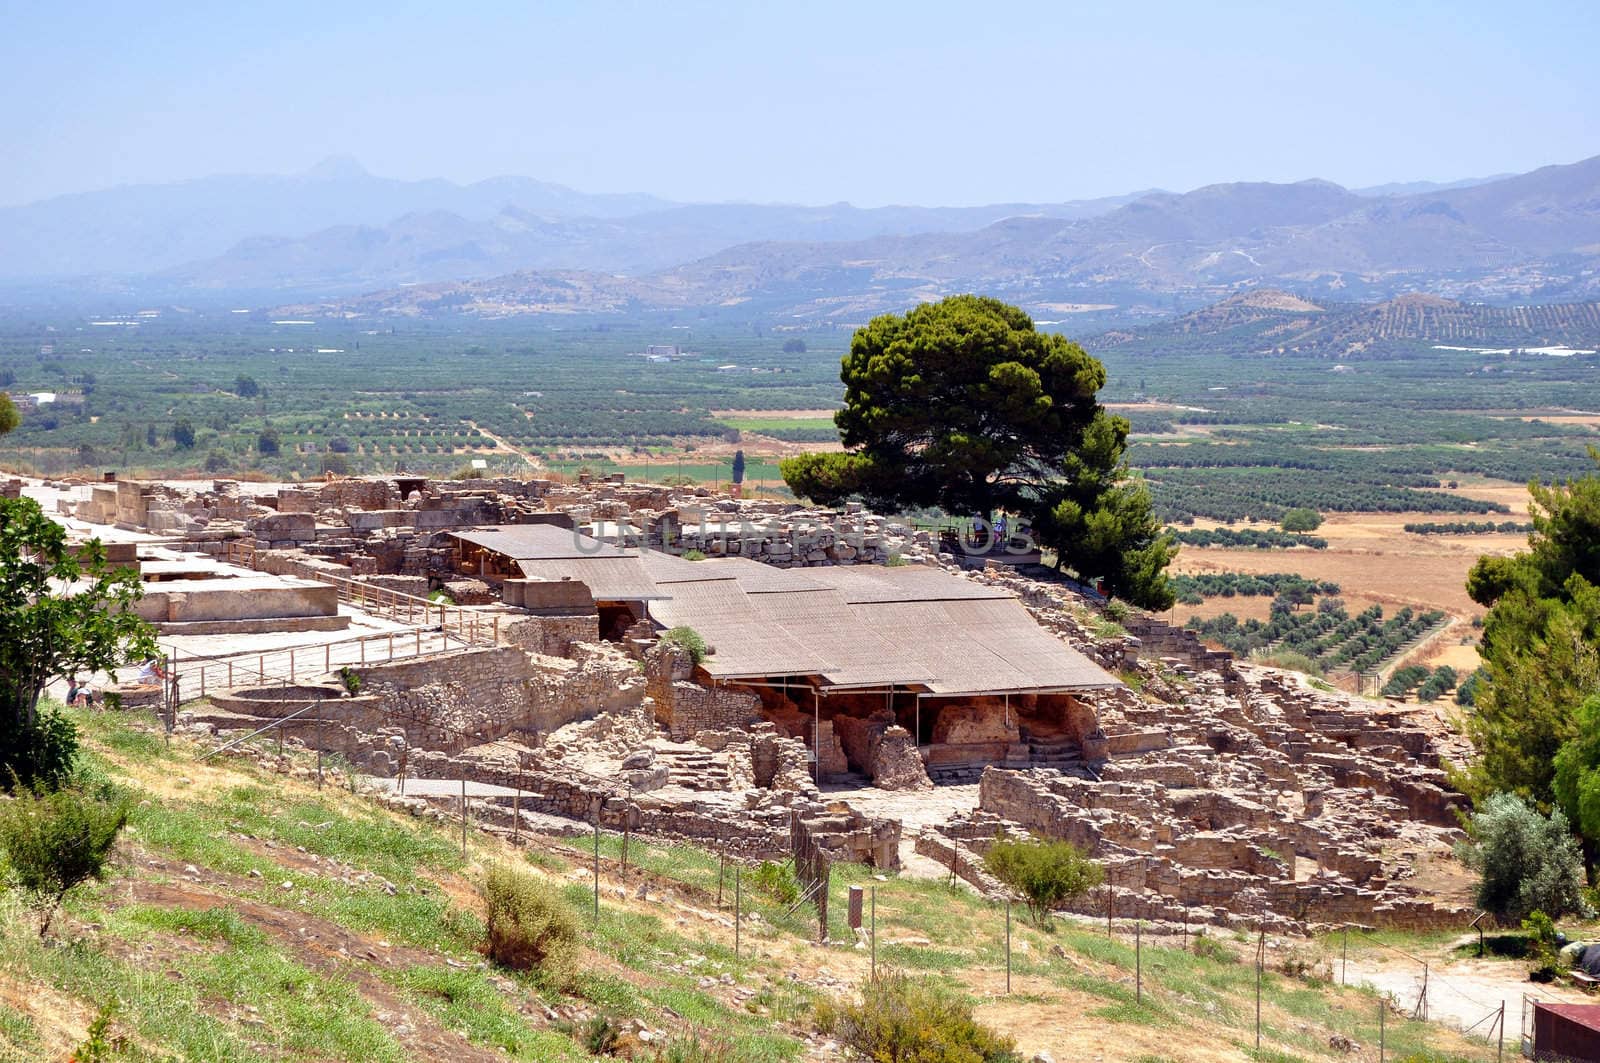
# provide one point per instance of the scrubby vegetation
(1469, 527)
(1046, 873)
(530, 926)
(1332, 638)
(689, 640)
(1193, 589)
(905, 1020)
(56, 840)
(1253, 538)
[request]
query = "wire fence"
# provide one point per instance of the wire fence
(1161, 971)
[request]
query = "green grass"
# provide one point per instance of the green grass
(467, 1002)
(215, 984)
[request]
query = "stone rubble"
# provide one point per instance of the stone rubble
(1212, 790)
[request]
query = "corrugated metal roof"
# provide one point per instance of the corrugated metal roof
(744, 644)
(523, 542)
(854, 627)
(1041, 661)
(856, 655)
(670, 568)
(757, 578)
(620, 579)
(902, 583)
(928, 636)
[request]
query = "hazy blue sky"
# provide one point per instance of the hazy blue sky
(815, 102)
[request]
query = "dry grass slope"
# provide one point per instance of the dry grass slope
(254, 917)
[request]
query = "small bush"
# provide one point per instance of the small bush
(903, 1021)
(99, 1046)
(598, 1036)
(39, 754)
(56, 840)
(531, 927)
(1046, 873)
(1116, 612)
(1527, 861)
(688, 639)
(1208, 947)
(1543, 951)
(351, 680)
(694, 555)
(699, 1047)
(776, 881)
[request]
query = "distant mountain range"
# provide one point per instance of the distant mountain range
(337, 227)
(431, 245)
(143, 229)
(339, 240)
(1532, 237)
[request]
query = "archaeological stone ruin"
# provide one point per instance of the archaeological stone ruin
(742, 672)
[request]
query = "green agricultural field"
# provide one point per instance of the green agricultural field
(254, 916)
(1224, 432)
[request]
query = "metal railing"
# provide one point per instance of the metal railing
(197, 674)
(464, 622)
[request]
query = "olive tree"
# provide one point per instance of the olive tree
(1528, 862)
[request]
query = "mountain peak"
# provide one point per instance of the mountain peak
(337, 168)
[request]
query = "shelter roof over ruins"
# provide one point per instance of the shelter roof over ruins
(861, 626)
(609, 579)
(529, 542)
(550, 552)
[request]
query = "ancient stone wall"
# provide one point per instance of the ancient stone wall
(882, 750)
(684, 707)
(453, 701)
(553, 636)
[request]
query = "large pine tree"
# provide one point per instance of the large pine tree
(963, 405)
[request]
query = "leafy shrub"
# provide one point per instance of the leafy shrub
(1116, 612)
(1528, 862)
(699, 1047)
(1542, 948)
(530, 926)
(689, 640)
(598, 1035)
(351, 680)
(99, 1046)
(903, 1021)
(42, 752)
(1211, 949)
(1301, 519)
(776, 881)
(1046, 873)
(56, 840)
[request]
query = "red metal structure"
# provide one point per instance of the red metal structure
(1566, 1032)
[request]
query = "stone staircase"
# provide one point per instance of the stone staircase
(1061, 755)
(695, 768)
(955, 774)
